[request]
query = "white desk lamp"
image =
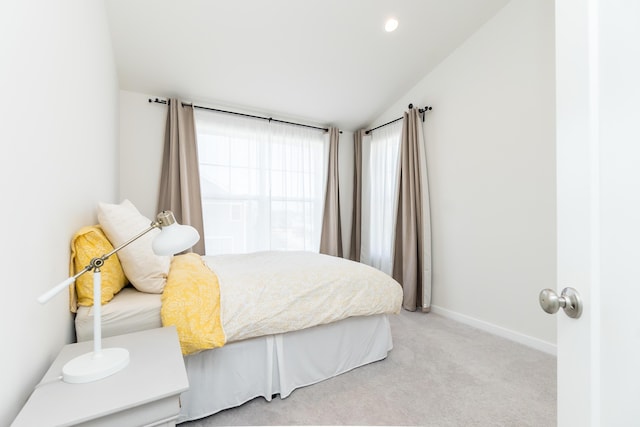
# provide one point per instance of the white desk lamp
(101, 363)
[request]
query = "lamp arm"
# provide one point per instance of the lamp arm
(53, 291)
(153, 225)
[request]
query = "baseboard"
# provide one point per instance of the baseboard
(532, 342)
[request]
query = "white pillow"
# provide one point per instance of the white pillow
(144, 269)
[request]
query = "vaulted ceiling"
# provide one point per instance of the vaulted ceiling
(326, 62)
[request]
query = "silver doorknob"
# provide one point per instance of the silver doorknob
(569, 300)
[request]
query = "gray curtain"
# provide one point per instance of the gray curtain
(409, 264)
(356, 218)
(180, 179)
(331, 237)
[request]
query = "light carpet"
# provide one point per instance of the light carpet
(439, 373)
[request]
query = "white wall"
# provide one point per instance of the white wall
(491, 159)
(59, 136)
(142, 128)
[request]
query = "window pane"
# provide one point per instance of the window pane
(379, 195)
(262, 184)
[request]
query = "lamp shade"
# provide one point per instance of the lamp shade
(174, 238)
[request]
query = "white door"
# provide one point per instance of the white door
(598, 172)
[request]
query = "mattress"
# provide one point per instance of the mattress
(129, 311)
(262, 293)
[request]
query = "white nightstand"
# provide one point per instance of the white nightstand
(145, 393)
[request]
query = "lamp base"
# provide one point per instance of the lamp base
(91, 367)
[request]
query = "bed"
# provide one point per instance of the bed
(283, 320)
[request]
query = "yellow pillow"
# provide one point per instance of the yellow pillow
(88, 243)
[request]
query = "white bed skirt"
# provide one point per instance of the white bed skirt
(229, 376)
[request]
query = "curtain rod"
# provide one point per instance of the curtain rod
(271, 119)
(420, 110)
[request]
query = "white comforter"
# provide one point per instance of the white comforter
(275, 292)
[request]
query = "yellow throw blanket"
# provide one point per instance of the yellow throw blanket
(191, 302)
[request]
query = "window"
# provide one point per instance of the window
(262, 184)
(380, 169)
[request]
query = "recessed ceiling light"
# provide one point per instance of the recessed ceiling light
(391, 25)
